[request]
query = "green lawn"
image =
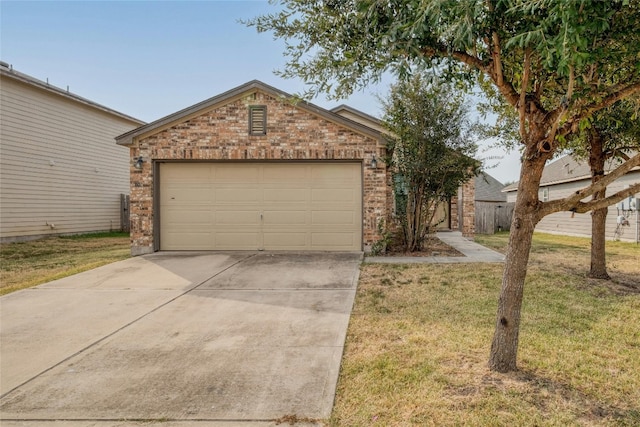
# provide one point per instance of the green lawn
(419, 338)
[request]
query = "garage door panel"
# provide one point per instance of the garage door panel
(285, 240)
(187, 193)
(287, 194)
(238, 240)
(334, 172)
(333, 195)
(332, 239)
(238, 196)
(194, 215)
(188, 240)
(247, 173)
(333, 218)
(235, 217)
(284, 218)
(249, 206)
(183, 172)
(291, 174)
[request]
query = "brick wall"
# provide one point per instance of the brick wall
(463, 211)
(222, 134)
(467, 204)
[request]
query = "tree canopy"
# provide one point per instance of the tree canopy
(555, 63)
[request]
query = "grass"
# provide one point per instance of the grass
(419, 338)
(26, 264)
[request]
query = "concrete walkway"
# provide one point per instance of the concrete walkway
(472, 252)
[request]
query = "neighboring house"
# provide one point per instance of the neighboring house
(567, 175)
(60, 172)
(253, 168)
(493, 213)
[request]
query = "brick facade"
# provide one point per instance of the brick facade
(463, 211)
(220, 133)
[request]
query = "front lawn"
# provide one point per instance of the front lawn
(27, 264)
(419, 338)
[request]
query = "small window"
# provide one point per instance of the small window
(545, 194)
(257, 120)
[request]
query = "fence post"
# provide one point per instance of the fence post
(124, 213)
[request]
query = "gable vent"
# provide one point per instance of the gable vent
(257, 120)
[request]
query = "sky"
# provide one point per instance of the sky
(149, 59)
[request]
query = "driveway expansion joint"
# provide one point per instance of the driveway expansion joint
(109, 335)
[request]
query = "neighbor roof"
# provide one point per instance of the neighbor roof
(488, 189)
(566, 169)
(252, 86)
(7, 71)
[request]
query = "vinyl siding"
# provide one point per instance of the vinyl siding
(59, 164)
(571, 224)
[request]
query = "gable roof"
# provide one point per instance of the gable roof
(360, 117)
(488, 189)
(343, 108)
(237, 92)
(7, 71)
(567, 169)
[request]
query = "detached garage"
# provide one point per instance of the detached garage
(252, 169)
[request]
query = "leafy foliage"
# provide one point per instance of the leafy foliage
(430, 151)
(618, 126)
(565, 58)
(555, 63)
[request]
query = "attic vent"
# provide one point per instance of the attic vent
(257, 120)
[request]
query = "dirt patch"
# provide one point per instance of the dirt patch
(432, 247)
(620, 284)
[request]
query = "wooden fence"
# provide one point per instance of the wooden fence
(124, 213)
(493, 216)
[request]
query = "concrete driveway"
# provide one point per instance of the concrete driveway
(239, 338)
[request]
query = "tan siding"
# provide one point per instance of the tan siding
(81, 191)
(580, 224)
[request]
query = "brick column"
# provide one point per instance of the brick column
(467, 193)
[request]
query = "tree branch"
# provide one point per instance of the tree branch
(476, 63)
(607, 101)
(582, 207)
(522, 108)
(572, 202)
(496, 56)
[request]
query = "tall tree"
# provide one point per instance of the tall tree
(610, 136)
(554, 62)
(429, 150)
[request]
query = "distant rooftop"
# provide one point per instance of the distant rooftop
(488, 189)
(566, 169)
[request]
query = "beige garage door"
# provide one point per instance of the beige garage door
(253, 206)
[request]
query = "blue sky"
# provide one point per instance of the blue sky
(149, 59)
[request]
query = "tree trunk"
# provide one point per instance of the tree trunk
(597, 159)
(504, 347)
(598, 268)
